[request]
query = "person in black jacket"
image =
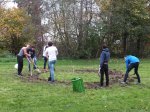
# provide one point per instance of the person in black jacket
(33, 58)
(103, 67)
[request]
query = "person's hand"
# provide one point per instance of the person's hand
(29, 55)
(29, 60)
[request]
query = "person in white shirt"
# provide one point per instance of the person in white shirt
(51, 54)
(45, 58)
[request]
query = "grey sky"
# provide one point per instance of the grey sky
(9, 4)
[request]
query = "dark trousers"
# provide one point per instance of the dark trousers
(104, 70)
(130, 67)
(45, 61)
(20, 64)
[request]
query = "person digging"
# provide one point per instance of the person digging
(22, 53)
(132, 62)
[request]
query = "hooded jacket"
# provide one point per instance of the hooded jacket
(104, 57)
(131, 59)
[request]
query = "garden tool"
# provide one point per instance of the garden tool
(37, 69)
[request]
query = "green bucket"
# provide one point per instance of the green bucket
(78, 85)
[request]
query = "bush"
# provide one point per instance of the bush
(6, 54)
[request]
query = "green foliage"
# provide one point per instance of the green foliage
(93, 43)
(12, 25)
(126, 20)
(5, 54)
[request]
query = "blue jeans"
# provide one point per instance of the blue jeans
(51, 68)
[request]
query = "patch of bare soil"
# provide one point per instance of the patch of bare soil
(114, 76)
(36, 78)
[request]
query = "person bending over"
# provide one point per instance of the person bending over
(131, 62)
(22, 53)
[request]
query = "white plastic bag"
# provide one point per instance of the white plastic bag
(16, 66)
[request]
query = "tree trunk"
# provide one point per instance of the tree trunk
(138, 46)
(124, 44)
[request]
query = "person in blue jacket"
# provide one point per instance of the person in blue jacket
(103, 67)
(131, 62)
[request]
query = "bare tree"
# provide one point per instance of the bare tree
(34, 9)
(68, 22)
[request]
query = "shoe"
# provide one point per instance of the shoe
(101, 87)
(107, 86)
(120, 80)
(49, 78)
(19, 75)
(51, 82)
(137, 83)
(38, 71)
(123, 83)
(45, 70)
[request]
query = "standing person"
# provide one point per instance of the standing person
(23, 53)
(33, 58)
(131, 62)
(51, 53)
(45, 58)
(104, 58)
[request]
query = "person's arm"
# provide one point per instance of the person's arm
(127, 63)
(109, 56)
(25, 52)
(56, 51)
(101, 59)
(46, 52)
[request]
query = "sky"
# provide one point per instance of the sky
(10, 4)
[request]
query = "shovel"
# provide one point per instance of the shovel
(30, 66)
(37, 69)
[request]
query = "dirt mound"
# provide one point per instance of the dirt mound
(114, 76)
(86, 70)
(92, 85)
(36, 78)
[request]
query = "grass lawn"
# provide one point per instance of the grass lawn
(17, 95)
